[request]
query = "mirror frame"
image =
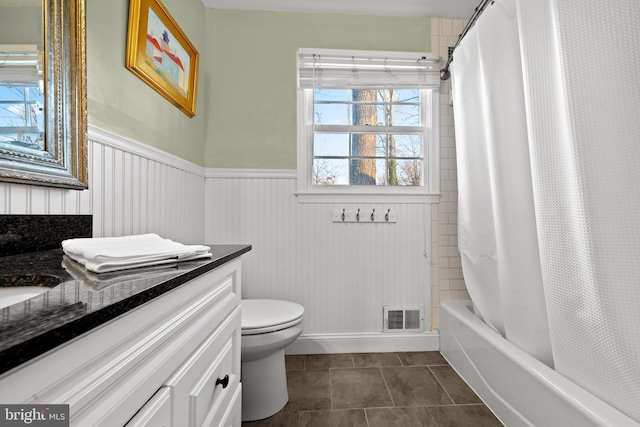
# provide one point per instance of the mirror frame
(63, 163)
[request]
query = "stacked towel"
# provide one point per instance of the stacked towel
(104, 254)
(100, 281)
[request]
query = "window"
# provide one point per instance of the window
(21, 97)
(367, 124)
(368, 137)
(22, 116)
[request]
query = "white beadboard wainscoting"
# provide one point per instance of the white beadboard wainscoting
(343, 274)
(133, 189)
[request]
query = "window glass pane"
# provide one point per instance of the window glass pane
(331, 107)
(331, 114)
(22, 116)
(330, 172)
(408, 172)
(381, 172)
(384, 118)
(331, 144)
(407, 95)
(364, 111)
(381, 145)
(366, 114)
(345, 156)
(11, 93)
(405, 145)
(405, 115)
(363, 172)
(12, 114)
(36, 105)
(332, 95)
(364, 144)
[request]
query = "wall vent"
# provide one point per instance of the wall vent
(403, 318)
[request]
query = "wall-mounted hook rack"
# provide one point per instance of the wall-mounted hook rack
(375, 216)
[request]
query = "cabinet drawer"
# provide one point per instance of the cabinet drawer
(156, 412)
(208, 403)
(233, 415)
(206, 383)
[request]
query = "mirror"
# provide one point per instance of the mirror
(43, 93)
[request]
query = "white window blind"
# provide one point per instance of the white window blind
(366, 69)
(20, 65)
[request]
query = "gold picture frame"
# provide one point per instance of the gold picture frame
(160, 54)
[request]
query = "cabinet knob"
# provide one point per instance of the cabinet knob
(224, 381)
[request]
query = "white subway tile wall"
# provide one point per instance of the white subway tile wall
(447, 281)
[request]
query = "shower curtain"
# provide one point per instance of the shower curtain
(547, 115)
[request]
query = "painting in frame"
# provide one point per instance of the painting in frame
(160, 54)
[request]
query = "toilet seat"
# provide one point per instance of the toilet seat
(261, 316)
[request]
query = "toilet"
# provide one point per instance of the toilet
(268, 326)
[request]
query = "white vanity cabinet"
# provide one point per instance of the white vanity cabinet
(173, 361)
(156, 412)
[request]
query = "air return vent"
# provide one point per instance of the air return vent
(403, 318)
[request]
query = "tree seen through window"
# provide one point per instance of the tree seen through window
(368, 137)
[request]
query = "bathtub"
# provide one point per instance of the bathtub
(520, 390)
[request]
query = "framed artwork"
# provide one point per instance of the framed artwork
(161, 55)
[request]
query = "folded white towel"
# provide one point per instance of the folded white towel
(105, 254)
(100, 281)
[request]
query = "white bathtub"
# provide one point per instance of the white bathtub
(519, 389)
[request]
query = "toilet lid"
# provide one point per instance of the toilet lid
(267, 315)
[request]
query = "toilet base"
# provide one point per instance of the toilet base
(264, 387)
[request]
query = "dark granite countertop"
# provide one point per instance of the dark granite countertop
(79, 300)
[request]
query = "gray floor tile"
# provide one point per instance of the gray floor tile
(464, 416)
(458, 390)
(281, 419)
(308, 390)
(358, 388)
(326, 361)
(414, 386)
(375, 360)
(400, 417)
(334, 418)
(422, 358)
(408, 389)
(294, 363)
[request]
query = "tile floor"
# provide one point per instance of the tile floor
(377, 390)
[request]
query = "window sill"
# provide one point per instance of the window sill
(327, 197)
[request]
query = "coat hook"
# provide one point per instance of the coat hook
(386, 216)
(358, 215)
(372, 215)
(343, 216)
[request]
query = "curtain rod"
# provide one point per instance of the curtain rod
(444, 73)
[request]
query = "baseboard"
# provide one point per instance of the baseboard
(364, 343)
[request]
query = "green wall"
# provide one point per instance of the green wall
(21, 25)
(119, 101)
(250, 65)
(246, 100)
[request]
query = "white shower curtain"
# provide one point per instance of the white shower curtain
(547, 113)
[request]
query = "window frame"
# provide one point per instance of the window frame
(428, 192)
